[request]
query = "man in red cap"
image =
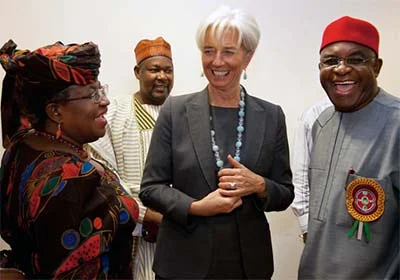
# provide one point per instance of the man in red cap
(354, 213)
(131, 121)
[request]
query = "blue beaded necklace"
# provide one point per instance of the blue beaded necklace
(239, 129)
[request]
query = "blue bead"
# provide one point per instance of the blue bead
(123, 216)
(240, 129)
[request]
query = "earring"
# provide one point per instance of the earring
(58, 132)
(244, 75)
(202, 74)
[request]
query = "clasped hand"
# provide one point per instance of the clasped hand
(239, 181)
(234, 183)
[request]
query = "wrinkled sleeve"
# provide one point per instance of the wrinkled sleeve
(279, 182)
(156, 191)
(300, 163)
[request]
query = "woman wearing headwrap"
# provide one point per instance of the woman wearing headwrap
(63, 214)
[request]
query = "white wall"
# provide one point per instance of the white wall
(283, 70)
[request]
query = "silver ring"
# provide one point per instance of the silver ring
(232, 185)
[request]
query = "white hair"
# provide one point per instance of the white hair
(226, 18)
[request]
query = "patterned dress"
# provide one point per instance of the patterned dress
(62, 217)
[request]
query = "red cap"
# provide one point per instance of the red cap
(348, 29)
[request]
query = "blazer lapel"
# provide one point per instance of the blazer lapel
(198, 114)
(255, 124)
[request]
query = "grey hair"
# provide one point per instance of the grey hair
(225, 18)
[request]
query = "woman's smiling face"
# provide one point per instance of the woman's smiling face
(224, 60)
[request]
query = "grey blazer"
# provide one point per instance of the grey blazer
(180, 169)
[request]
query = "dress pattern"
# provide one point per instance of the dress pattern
(62, 217)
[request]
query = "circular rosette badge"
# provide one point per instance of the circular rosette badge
(365, 202)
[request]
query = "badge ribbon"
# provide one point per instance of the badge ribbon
(365, 202)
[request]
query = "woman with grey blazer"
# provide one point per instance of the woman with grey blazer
(217, 160)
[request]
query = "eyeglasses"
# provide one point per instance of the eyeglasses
(96, 96)
(349, 61)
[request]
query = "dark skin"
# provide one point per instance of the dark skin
(350, 88)
(156, 79)
(81, 120)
